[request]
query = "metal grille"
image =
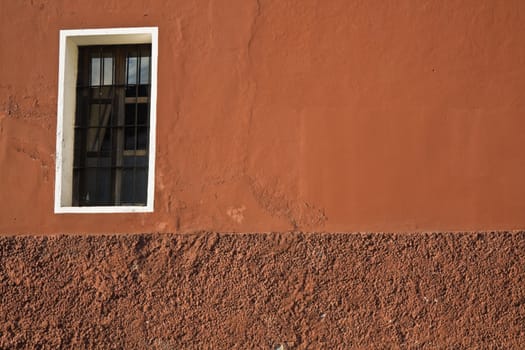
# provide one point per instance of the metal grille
(112, 125)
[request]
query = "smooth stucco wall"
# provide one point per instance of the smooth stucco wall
(280, 115)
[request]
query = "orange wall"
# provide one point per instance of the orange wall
(279, 115)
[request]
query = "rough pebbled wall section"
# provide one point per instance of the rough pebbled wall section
(218, 291)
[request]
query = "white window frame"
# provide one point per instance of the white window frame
(70, 40)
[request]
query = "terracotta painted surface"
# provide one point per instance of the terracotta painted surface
(282, 115)
(302, 291)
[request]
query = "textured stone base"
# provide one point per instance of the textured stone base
(443, 290)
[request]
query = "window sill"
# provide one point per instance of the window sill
(104, 210)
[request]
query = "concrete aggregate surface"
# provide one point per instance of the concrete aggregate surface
(263, 291)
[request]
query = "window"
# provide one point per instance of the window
(110, 163)
(106, 120)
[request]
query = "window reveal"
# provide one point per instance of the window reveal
(112, 125)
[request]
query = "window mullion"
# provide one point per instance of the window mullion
(94, 196)
(119, 129)
(135, 125)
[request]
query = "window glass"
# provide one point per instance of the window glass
(101, 71)
(132, 71)
(144, 70)
(95, 71)
(111, 125)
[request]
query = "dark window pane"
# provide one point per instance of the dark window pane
(82, 110)
(106, 141)
(141, 186)
(100, 114)
(88, 193)
(78, 147)
(98, 139)
(129, 161)
(143, 112)
(135, 161)
(93, 140)
(142, 137)
(143, 90)
(131, 90)
(111, 130)
(130, 113)
(97, 187)
(104, 93)
(129, 138)
(76, 185)
(126, 196)
(103, 193)
(94, 114)
(142, 161)
(100, 162)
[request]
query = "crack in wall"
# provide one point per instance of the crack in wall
(254, 24)
(33, 154)
(298, 213)
(252, 84)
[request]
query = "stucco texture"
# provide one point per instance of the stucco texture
(262, 291)
(290, 115)
(277, 117)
